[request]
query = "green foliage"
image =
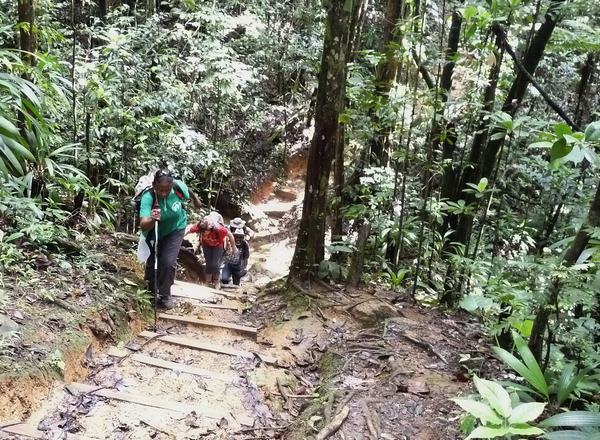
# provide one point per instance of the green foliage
(499, 414)
(586, 422)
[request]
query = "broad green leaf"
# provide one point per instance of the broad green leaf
(572, 418)
(526, 412)
(531, 362)
(8, 127)
(496, 396)
(571, 435)
(10, 157)
(524, 327)
(559, 150)
(562, 128)
(525, 430)
(488, 432)
(567, 383)
(479, 410)
(592, 132)
(541, 144)
(19, 149)
(520, 368)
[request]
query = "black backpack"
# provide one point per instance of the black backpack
(137, 199)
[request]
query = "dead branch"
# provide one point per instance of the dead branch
(425, 345)
(282, 391)
(332, 427)
(559, 111)
(369, 418)
(346, 400)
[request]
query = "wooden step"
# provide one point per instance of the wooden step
(199, 291)
(202, 295)
(174, 366)
(24, 430)
(186, 341)
(208, 323)
(156, 402)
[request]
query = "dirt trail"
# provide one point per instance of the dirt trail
(291, 365)
(213, 391)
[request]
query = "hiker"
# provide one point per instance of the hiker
(238, 223)
(235, 263)
(162, 204)
(213, 238)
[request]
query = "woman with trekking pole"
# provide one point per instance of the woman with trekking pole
(163, 221)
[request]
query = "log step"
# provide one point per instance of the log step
(169, 365)
(208, 323)
(185, 341)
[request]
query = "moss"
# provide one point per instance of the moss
(329, 366)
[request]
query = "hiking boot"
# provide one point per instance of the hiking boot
(217, 285)
(166, 303)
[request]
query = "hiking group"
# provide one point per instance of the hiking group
(163, 222)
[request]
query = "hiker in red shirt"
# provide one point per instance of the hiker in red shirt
(212, 237)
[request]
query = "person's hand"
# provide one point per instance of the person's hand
(155, 214)
(234, 250)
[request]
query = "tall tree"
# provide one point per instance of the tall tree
(27, 38)
(569, 259)
(387, 72)
(492, 140)
(310, 245)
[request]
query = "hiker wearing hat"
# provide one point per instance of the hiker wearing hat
(163, 221)
(235, 263)
(214, 237)
(238, 223)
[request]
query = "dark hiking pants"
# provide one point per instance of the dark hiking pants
(212, 259)
(168, 249)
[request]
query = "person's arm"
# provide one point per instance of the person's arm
(148, 215)
(231, 241)
(194, 200)
(250, 232)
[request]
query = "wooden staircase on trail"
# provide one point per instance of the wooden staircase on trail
(197, 343)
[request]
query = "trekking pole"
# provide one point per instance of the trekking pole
(155, 271)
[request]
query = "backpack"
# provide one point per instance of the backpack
(137, 199)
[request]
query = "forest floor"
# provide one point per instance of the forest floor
(258, 362)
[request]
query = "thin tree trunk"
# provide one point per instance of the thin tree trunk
(571, 256)
(487, 143)
(387, 72)
(310, 247)
(27, 37)
(358, 258)
(471, 174)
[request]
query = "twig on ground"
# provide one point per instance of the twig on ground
(328, 407)
(281, 390)
(331, 428)
(298, 396)
(263, 428)
(369, 418)
(150, 425)
(425, 345)
(346, 400)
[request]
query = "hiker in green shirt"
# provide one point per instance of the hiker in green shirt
(163, 205)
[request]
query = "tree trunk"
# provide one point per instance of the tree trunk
(582, 238)
(387, 72)
(358, 258)
(492, 143)
(358, 13)
(469, 173)
(310, 246)
(102, 8)
(442, 126)
(27, 37)
(582, 107)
